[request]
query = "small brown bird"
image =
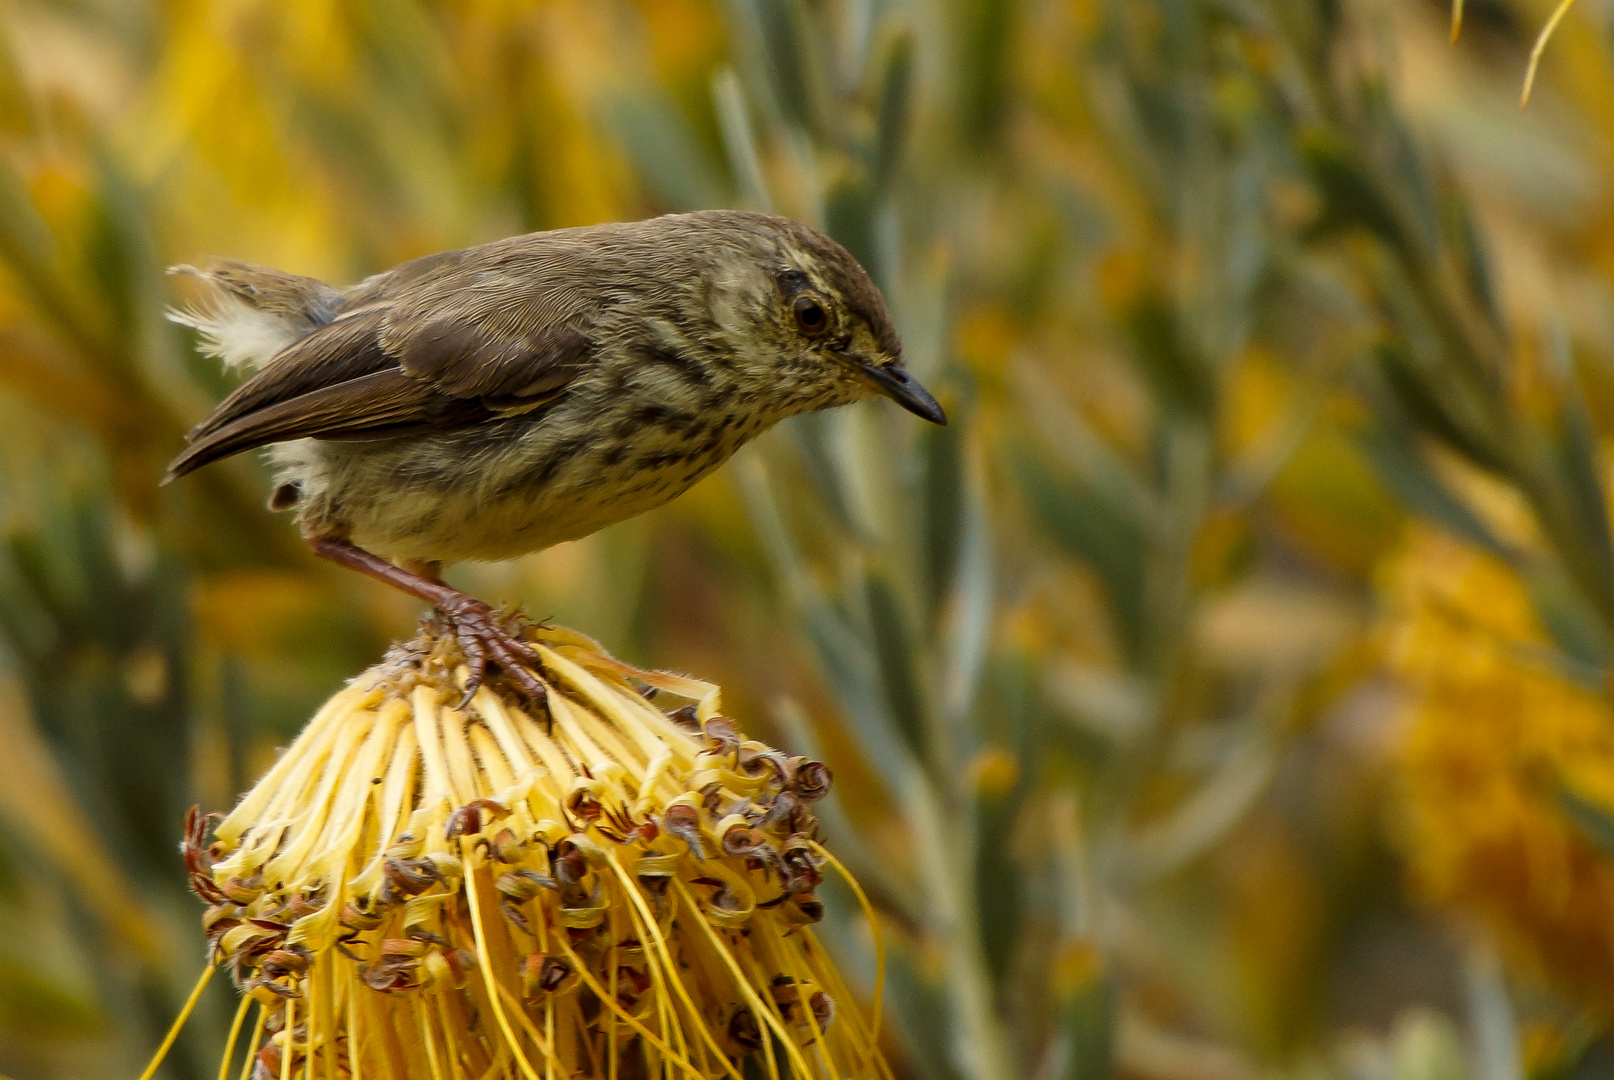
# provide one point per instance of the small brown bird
(484, 403)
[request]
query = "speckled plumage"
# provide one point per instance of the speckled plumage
(483, 403)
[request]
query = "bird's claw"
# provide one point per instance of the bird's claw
(484, 639)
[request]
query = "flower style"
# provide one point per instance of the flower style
(591, 886)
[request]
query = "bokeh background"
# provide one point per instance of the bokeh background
(1224, 694)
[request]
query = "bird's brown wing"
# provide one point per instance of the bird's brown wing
(466, 337)
(509, 325)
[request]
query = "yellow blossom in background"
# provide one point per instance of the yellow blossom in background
(1497, 736)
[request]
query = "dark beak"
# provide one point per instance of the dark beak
(893, 380)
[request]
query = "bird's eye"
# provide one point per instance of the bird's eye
(810, 317)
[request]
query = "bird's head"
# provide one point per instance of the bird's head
(817, 323)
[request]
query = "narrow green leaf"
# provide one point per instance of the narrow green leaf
(845, 659)
(974, 593)
(1492, 1021)
(940, 452)
(1418, 400)
(1401, 170)
(25, 239)
(144, 352)
(1350, 200)
(1178, 375)
(30, 251)
(1086, 525)
(1404, 472)
(1085, 1048)
(739, 140)
(816, 437)
(667, 152)
(849, 208)
(982, 77)
(1463, 235)
(1078, 447)
(922, 1016)
(30, 1002)
(893, 110)
(1572, 623)
(19, 112)
(894, 650)
(795, 62)
(1580, 473)
(1001, 887)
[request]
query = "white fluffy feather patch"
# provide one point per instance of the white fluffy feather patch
(236, 333)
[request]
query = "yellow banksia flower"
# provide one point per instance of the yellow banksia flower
(591, 886)
(1499, 737)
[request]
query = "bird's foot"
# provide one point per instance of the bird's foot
(488, 638)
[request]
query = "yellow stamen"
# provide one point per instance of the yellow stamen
(1540, 46)
(486, 966)
(613, 965)
(543, 1044)
(763, 1011)
(804, 1003)
(549, 1029)
(179, 1022)
(355, 1059)
(308, 1056)
(649, 922)
(252, 1043)
(616, 1007)
(423, 1025)
(235, 1033)
(286, 1034)
(874, 928)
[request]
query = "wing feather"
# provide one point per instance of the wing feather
(381, 405)
(343, 350)
(489, 332)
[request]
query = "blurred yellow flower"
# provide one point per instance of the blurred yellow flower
(1498, 736)
(596, 887)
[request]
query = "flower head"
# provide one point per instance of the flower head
(589, 887)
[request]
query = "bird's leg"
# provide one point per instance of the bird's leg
(476, 625)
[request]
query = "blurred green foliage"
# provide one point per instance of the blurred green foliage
(1217, 292)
